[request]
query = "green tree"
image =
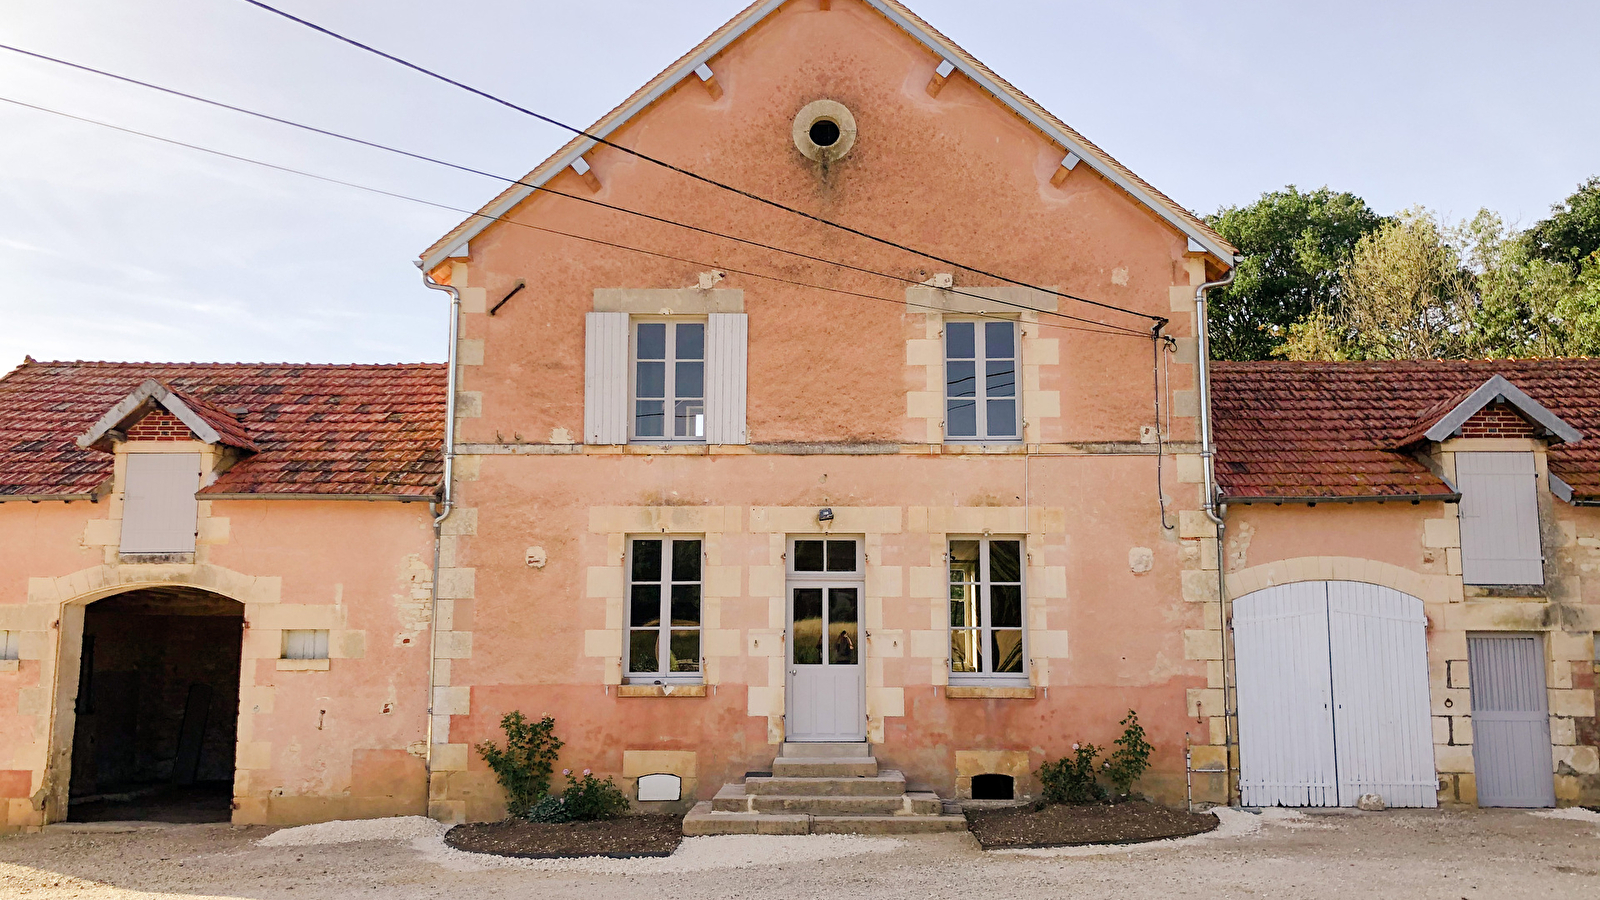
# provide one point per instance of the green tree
(1404, 293)
(1530, 305)
(1294, 245)
(1572, 233)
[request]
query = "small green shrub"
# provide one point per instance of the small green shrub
(1071, 779)
(1132, 756)
(523, 766)
(586, 799)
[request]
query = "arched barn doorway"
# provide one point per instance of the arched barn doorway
(157, 707)
(1333, 696)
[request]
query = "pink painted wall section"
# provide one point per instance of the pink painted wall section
(342, 742)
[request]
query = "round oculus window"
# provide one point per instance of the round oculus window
(824, 130)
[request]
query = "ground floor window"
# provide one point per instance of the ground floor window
(664, 586)
(986, 633)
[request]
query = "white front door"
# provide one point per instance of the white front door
(826, 671)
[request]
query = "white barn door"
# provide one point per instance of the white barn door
(1383, 732)
(1333, 696)
(1280, 639)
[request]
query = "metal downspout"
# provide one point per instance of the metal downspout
(443, 507)
(1215, 511)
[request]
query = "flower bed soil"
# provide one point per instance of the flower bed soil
(620, 838)
(1058, 825)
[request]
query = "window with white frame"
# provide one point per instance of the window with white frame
(305, 643)
(9, 644)
(986, 609)
(980, 365)
(664, 588)
(669, 380)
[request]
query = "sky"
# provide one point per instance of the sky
(116, 247)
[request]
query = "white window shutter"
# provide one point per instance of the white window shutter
(1499, 519)
(159, 509)
(605, 379)
(727, 342)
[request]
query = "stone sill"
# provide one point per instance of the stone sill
(661, 690)
(156, 559)
(302, 665)
(9, 665)
(976, 692)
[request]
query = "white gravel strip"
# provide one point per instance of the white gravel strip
(1233, 823)
(696, 854)
(1576, 813)
(344, 831)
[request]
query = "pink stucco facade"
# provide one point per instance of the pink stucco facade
(843, 411)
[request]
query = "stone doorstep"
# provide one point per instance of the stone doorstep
(887, 783)
(732, 798)
(703, 820)
(809, 750)
(824, 767)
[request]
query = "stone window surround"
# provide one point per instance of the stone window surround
(925, 356)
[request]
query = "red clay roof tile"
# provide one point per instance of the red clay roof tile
(1328, 430)
(319, 429)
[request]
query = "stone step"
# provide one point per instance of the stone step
(887, 824)
(824, 766)
(887, 783)
(732, 798)
(809, 749)
(703, 820)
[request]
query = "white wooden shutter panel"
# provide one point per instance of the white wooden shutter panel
(605, 378)
(727, 353)
(1499, 519)
(159, 509)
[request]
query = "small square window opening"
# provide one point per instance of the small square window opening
(305, 644)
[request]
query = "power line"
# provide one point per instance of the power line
(687, 172)
(544, 188)
(529, 225)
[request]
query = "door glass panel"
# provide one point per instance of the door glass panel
(1007, 649)
(808, 556)
(808, 625)
(842, 626)
(841, 556)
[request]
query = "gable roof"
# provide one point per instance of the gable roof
(206, 422)
(317, 430)
(1317, 430)
(1198, 232)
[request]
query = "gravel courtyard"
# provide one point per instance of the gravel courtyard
(1468, 854)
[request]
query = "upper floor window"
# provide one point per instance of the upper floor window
(664, 585)
(981, 381)
(669, 382)
(159, 509)
(986, 608)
